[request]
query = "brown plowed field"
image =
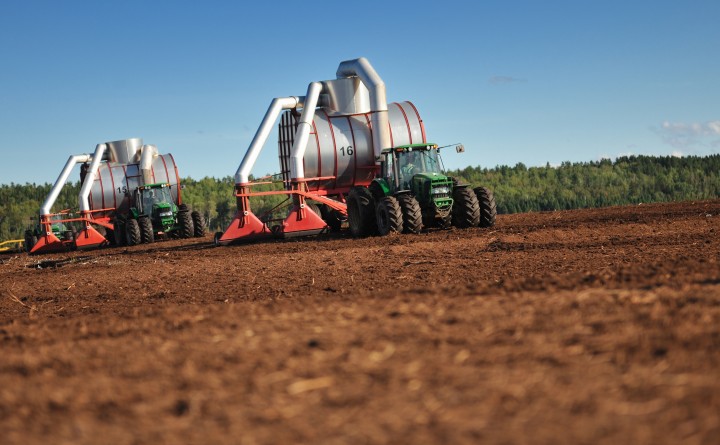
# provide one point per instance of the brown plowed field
(580, 327)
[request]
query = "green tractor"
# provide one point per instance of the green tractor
(412, 193)
(154, 213)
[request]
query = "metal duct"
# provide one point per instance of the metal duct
(242, 176)
(90, 177)
(61, 180)
(124, 151)
(147, 153)
(378, 99)
(304, 129)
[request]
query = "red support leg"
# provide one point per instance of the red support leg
(89, 238)
(244, 227)
(303, 221)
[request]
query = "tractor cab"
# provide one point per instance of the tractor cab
(416, 169)
(402, 163)
(156, 202)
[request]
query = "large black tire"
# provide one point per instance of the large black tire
(132, 232)
(412, 215)
(186, 224)
(199, 226)
(147, 236)
(466, 210)
(119, 233)
(332, 217)
(488, 208)
(30, 240)
(314, 208)
(110, 236)
(361, 212)
(388, 215)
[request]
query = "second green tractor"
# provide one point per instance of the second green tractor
(153, 213)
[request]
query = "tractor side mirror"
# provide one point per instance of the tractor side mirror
(460, 148)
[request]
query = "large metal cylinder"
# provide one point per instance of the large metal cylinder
(115, 183)
(340, 146)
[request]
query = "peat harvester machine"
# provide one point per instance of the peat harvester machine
(346, 153)
(129, 191)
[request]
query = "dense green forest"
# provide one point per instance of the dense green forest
(627, 180)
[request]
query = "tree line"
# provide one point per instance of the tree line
(626, 180)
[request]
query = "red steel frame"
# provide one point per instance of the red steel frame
(300, 221)
(88, 237)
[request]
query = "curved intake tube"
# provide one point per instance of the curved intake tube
(90, 178)
(378, 99)
(242, 176)
(297, 170)
(61, 180)
(147, 153)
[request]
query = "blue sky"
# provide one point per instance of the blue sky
(515, 81)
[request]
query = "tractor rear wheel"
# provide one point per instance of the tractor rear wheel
(466, 210)
(147, 235)
(361, 212)
(199, 225)
(412, 215)
(488, 208)
(388, 215)
(132, 232)
(186, 224)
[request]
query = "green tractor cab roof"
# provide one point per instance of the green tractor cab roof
(412, 147)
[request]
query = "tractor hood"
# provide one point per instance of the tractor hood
(430, 176)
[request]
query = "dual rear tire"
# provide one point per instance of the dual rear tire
(473, 208)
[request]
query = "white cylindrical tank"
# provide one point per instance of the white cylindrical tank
(340, 145)
(115, 182)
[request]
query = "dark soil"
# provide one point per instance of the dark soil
(579, 327)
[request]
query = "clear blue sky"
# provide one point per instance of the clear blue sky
(515, 81)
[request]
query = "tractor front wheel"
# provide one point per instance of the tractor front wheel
(488, 208)
(132, 232)
(199, 225)
(361, 212)
(389, 216)
(466, 210)
(147, 235)
(412, 215)
(186, 224)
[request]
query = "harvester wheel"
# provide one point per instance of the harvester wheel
(361, 211)
(132, 232)
(147, 235)
(412, 215)
(119, 233)
(389, 216)
(199, 225)
(30, 240)
(314, 207)
(466, 210)
(488, 208)
(186, 224)
(332, 217)
(110, 236)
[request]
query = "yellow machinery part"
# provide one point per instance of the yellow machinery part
(13, 244)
